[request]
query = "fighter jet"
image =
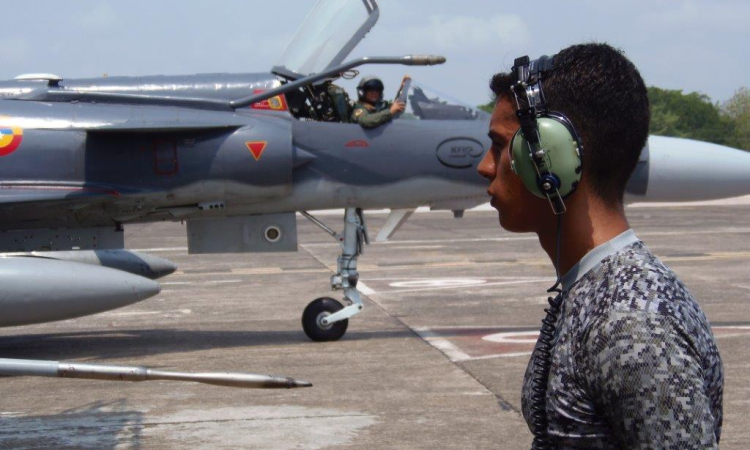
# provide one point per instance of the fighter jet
(236, 157)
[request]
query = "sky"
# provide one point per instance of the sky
(693, 45)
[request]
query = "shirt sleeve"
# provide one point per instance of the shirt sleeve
(646, 378)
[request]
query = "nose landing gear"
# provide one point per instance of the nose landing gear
(325, 319)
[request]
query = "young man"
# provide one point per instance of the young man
(371, 111)
(630, 361)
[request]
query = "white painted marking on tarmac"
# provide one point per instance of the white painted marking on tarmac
(453, 353)
(729, 230)
(145, 313)
(160, 249)
(438, 282)
(428, 241)
(513, 337)
(175, 283)
(365, 289)
(499, 283)
(499, 355)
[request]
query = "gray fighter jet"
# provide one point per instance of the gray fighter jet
(237, 156)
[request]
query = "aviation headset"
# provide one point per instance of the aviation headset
(369, 83)
(546, 149)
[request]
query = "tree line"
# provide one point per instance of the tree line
(695, 116)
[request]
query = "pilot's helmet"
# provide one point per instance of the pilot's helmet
(369, 83)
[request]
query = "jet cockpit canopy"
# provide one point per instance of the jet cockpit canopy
(327, 35)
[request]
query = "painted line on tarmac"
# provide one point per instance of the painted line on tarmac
(159, 249)
(176, 283)
(448, 348)
(450, 343)
(441, 288)
(365, 289)
(450, 264)
(145, 313)
(733, 230)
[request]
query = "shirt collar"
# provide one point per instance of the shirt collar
(597, 255)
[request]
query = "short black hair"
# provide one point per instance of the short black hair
(604, 96)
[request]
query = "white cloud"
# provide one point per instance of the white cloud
(701, 16)
(101, 16)
(469, 34)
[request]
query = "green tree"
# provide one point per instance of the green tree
(737, 110)
(487, 107)
(692, 116)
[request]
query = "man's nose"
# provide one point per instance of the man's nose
(486, 168)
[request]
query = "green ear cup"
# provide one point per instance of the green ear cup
(562, 157)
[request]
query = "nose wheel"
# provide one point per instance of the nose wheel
(315, 324)
(325, 319)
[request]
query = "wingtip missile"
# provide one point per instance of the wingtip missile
(21, 367)
(423, 60)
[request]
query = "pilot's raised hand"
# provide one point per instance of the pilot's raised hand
(398, 107)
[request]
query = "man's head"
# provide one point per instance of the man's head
(601, 92)
(370, 89)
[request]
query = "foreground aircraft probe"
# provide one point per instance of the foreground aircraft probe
(236, 156)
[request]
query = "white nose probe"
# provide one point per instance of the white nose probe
(60, 369)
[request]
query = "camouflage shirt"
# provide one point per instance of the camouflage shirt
(371, 116)
(635, 364)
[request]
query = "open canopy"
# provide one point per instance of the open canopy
(326, 37)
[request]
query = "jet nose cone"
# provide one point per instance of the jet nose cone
(688, 170)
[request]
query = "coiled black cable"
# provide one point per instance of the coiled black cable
(543, 360)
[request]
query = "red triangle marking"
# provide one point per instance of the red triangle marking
(256, 148)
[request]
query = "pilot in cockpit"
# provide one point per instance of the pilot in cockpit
(371, 110)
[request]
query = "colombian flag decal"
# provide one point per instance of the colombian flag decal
(10, 139)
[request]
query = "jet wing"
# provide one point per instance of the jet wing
(136, 120)
(329, 33)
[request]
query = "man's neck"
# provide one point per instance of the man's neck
(583, 229)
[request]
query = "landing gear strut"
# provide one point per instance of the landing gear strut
(325, 319)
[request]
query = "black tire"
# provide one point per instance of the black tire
(318, 308)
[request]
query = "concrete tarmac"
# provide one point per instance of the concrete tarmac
(435, 361)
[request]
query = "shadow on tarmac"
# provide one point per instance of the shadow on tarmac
(135, 343)
(97, 426)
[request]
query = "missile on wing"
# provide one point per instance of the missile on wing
(142, 264)
(20, 367)
(36, 290)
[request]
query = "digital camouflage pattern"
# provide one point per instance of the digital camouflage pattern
(635, 364)
(371, 116)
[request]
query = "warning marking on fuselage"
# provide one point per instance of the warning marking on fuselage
(257, 148)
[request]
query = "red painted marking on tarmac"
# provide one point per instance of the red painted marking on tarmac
(480, 343)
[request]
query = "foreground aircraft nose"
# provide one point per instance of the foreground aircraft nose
(142, 264)
(36, 290)
(687, 170)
